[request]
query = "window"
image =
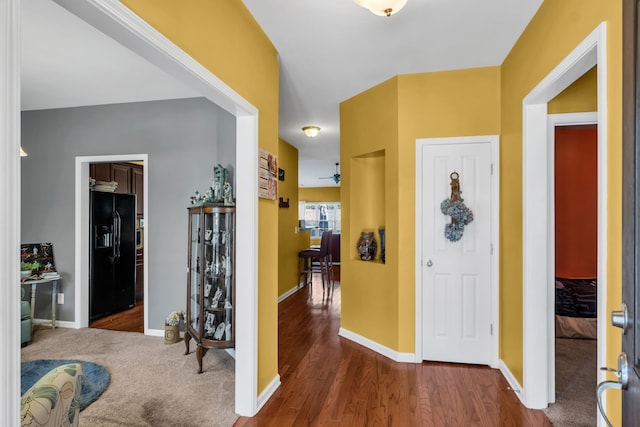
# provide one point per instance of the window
(320, 216)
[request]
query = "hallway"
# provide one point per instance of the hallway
(328, 380)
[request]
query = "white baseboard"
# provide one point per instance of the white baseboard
(154, 332)
(513, 383)
(268, 392)
(378, 348)
(290, 292)
(59, 323)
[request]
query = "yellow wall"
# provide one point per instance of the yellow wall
(580, 97)
(224, 37)
(319, 194)
(289, 241)
(369, 127)
(558, 27)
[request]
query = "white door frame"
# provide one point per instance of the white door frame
(82, 233)
(537, 173)
(118, 22)
(10, 211)
(494, 141)
(553, 121)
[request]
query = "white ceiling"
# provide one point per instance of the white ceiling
(330, 50)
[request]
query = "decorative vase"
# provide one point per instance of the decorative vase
(367, 246)
(382, 244)
(171, 334)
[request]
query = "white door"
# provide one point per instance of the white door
(456, 275)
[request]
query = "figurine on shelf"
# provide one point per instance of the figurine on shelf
(196, 198)
(227, 334)
(216, 298)
(208, 326)
(219, 331)
(228, 198)
(216, 191)
(220, 177)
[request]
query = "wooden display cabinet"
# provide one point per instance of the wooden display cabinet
(210, 279)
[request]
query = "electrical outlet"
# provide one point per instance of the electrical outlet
(61, 298)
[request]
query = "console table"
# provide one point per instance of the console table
(54, 296)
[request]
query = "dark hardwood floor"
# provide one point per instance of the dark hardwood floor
(327, 380)
(131, 320)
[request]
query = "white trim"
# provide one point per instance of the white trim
(268, 392)
(82, 200)
(379, 348)
(494, 141)
(553, 121)
(118, 22)
(536, 212)
(10, 211)
(65, 324)
(511, 379)
(290, 292)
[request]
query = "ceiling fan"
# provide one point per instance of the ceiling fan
(335, 177)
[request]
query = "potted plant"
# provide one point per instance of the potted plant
(172, 327)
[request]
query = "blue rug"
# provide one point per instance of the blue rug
(95, 378)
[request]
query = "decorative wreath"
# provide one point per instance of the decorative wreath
(454, 207)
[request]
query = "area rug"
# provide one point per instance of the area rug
(95, 378)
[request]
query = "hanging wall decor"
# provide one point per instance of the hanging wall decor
(454, 207)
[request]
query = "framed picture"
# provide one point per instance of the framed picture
(267, 175)
(41, 253)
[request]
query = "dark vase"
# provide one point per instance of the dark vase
(367, 246)
(382, 244)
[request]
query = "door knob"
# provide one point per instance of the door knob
(429, 263)
(620, 319)
(623, 380)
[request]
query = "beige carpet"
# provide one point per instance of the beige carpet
(152, 384)
(575, 384)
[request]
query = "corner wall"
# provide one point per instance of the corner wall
(225, 38)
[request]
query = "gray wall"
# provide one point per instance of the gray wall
(184, 140)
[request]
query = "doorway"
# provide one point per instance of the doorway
(128, 272)
(573, 370)
(538, 264)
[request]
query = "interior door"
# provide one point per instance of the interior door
(628, 369)
(456, 275)
(630, 224)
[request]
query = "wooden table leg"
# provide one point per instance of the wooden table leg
(54, 297)
(33, 303)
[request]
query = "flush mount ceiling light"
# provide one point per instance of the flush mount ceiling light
(311, 131)
(382, 7)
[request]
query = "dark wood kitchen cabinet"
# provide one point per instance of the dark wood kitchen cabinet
(129, 176)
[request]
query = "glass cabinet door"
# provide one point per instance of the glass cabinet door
(194, 271)
(218, 289)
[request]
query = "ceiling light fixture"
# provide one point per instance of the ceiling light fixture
(23, 153)
(311, 131)
(382, 7)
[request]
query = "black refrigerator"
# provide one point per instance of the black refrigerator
(112, 255)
